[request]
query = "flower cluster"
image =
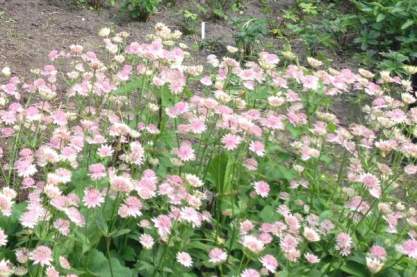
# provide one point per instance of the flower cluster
(136, 162)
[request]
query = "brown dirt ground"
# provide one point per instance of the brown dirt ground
(30, 29)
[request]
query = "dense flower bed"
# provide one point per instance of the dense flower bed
(140, 163)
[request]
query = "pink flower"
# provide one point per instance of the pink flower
(184, 259)
(121, 184)
(124, 74)
(310, 234)
(372, 184)
(261, 188)
(41, 255)
(60, 118)
(163, 225)
(105, 151)
(250, 164)
(206, 80)
(311, 258)
(344, 244)
(6, 268)
(190, 215)
(252, 243)
(288, 243)
(75, 216)
(131, 207)
(63, 226)
(25, 168)
(293, 223)
(258, 148)
(185, 152)
(231, 142)
(64, 262)
(269, 262)
(217, 256)
(250, 272)
(136, 154)
(409, 248)
(246, 226)
(97, 171)
(146, 241)
(93, 198)
(6, 205)
(3, 238)
(197, 126)
(378, 252)
(177, 109)
(410, 169)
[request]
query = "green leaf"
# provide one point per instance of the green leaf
(355, 269)
(388, 272)
(99, 265)
(119, 233)
(217, 170)
(102, 224)
(85, 242)
(407, 24)
(130, 86)
(268, 214)
(380, 17)
(199, 245)
(314, 273)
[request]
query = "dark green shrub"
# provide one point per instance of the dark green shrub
(140, 9)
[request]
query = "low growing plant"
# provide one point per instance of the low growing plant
(140, 9)
(190, 22)
(249, 34)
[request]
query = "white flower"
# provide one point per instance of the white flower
(184, 259)
(231, 49)
(104, 32)
(6, 71)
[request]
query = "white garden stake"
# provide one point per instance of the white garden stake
(203, 30)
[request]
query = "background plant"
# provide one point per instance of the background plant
(249, 34)
(140, 9)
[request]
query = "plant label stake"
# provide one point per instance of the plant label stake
(203, 30)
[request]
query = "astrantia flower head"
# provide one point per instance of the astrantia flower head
(41, 255)
(310, 234)
(97, 171)
(6, 268)
(408, 248)
(193, 180)
(257, 147)
(372, 184)
(253, 243)
(250, 272)
(269, 262)
(3, 238)
(311, 258)
(121, 183)
(146, 240)
(231, 142)
(261, 188)
(93, 198)
(344, 244)
(378, 252)
(217, 255)
(185, 152)
(184, 259)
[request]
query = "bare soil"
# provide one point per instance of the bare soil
(30, 29)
